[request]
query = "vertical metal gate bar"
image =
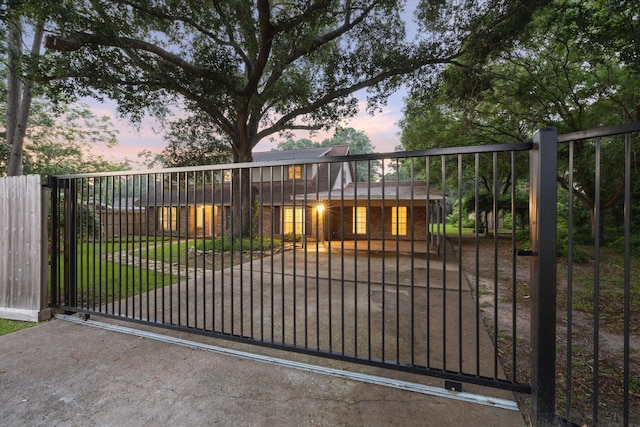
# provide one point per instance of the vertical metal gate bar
(397, 260)
(148, 235)
(207, 228)
(570, 220)
(369, 332)
(162, 218)
(413, 238)
(460, 322)
(173, 219)
(596, 285)
(427, 337)
(320, 230)
(126, 247)
(476, 208)
(274, 221)
(627, 279)
(117, 247)
(355, 220)
(384, 288)
(97, 252)
(342, 261)
(543, 223)
(312, 211)
(514, 277)
(443, 249)
(496, 287)
(244, 210)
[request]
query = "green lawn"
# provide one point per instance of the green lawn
(110, 270)
(8, 326)
(452, 230)
(101, 280)
(178, 252)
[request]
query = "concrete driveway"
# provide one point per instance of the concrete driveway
(64, 373)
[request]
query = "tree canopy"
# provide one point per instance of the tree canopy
(60, 140)
(39, 136)
(574, 67)
(253, 69)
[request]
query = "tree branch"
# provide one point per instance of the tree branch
(94, 41)
(341, 93)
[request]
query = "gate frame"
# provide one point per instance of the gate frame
(543, 159)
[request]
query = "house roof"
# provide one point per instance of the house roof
(325, 179)
(299, 154)
(203, 194)
(387, 190)
(275, 192)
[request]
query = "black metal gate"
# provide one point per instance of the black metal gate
(419, 274)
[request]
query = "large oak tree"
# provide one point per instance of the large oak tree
(253, 68)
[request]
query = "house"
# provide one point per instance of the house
(318, 200)
(380, 210)
(192, 209)
(289, 195)
(125, 217)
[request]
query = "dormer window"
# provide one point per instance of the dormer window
(294, 172)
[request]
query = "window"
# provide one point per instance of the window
(200, 216)
(293, 221)
(203, 219)
(294, 172)
(169, 218)
(360, 220)
(399, 221)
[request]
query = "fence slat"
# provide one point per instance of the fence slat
(23, 266)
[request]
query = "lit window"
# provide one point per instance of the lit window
(295, 172)
(293, 220)
(360, 220)
(399, 221)
(200, 211)
(169, 218)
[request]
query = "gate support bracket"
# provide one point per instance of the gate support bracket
(453, 385)
(526, 252)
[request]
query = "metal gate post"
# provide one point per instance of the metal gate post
(543, 223)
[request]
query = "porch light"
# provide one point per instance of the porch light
(320, 208)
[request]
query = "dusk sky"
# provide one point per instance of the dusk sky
(382, 129)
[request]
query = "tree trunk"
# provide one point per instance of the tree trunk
(241, 193)
(19, 102)
(14, 46)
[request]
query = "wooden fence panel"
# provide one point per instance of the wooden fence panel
(23, 249)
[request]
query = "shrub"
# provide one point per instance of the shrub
(292, 237)
(223, 244)
(634, 244)
(562, 248)
(468, 223)
(522, 236)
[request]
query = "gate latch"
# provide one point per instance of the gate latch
(526, 252)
